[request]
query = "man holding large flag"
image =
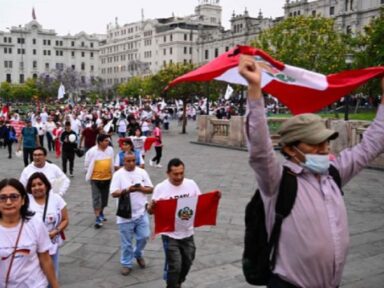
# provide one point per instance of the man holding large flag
(314, 238)
(179, 246)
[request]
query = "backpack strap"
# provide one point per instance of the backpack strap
(336, 177)
(284, 204)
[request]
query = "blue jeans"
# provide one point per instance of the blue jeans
(138, 228)
(55, 261)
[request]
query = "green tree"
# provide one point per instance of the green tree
(183, 91)
(370, 51)
(5, 91)
(307, 42)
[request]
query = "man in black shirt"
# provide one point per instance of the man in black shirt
(69, 143)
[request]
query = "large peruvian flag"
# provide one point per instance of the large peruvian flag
(299, 89)
(183, 213)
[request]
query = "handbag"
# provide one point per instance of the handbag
(124, 208)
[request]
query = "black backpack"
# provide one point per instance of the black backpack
(259, 256)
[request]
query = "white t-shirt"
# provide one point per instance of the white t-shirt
(123, 179)
(138, 143)
(122, 126)
(26, 271)
(166, 190)
(51, 171)
(53, 216)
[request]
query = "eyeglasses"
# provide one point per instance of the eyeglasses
(37, 155)
(12, 197)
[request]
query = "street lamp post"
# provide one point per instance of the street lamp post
(348, 61)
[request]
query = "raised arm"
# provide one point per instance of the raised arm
(262, 157)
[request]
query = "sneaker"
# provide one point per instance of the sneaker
(125, 271)
(159, 166)
(151, 163)
(141, 262)
(98, 223)
(102, 217)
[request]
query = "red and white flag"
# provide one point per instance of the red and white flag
(183, 213)
(299, 89)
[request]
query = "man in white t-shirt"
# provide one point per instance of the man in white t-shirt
(133, 182)
(179, 246)
(59, 181)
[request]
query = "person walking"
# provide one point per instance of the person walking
(59, 181)
(179, 246)
(314, 237)
(50, 126)
(158, 146)
(98, 163)
(29, 140)
(52, 209)
(68, 140)
(24, 241)
(134, 183)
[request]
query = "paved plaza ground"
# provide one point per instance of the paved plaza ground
(90, 258)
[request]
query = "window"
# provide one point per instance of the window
(91, 54)
(21, 78)
(5, 39)
(190, 50)
(82, 54)
(73, 67)
(170, 51)
(7, 64)
(21, 65)
(206, 54)
(170, 38)
(45, 52)
(216, 52)
(164, 52)
(331, 10)
(82, 66)
(185, 37)
(46, 66)
(20, 41)
(73, 43)
(33, 41)
(44, 42)
(83, 79)
(92, 68)
(20, 51)
(190, 37)
(34, 64)
(9, 79)
(34, 51)
(314, 13)
(49, 42)
(73, 53)
(165, 39)
(49, 52)
(226, 48)
(34, 76)
(185, 50)
(91, 45)
(82, 44)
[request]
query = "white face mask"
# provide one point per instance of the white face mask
(318, 164)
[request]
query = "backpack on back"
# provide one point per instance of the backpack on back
(259, 256)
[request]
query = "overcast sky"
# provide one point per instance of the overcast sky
(92, 16)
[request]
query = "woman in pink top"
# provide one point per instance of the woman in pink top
(158, 146)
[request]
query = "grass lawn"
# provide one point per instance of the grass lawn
(366, 115)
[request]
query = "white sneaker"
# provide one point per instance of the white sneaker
(151, 163)
(159, 166)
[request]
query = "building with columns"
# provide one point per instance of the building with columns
(28, 51)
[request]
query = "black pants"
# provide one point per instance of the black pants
(277, 282)
(27, 152)
(68, 156)
(41, 138)
(179, 256)
(51, 143)
(158, 150)
(9, 145)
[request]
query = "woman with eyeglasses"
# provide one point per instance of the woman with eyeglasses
(51, 209)
(24, 241)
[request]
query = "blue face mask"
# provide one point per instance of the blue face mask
(318, 164)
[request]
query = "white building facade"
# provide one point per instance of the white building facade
(351, 16)
(29, 51)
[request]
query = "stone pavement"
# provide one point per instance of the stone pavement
(90, 258)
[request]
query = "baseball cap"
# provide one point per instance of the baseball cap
(308, 128)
